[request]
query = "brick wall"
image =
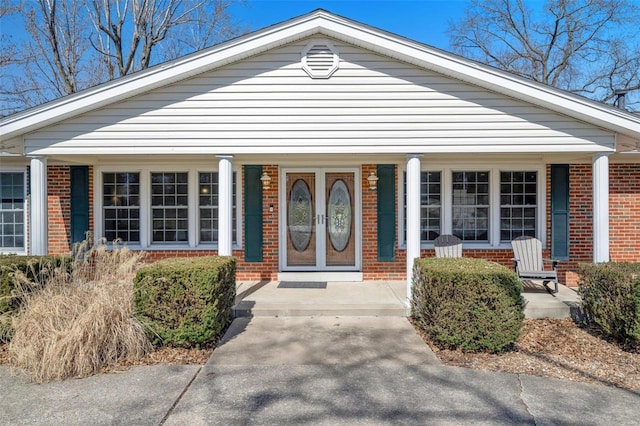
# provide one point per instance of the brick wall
(371, 267)
(268, 268)
(624, 207)
(624, 212)
(59, 209)
(580, 221)
(624, 217)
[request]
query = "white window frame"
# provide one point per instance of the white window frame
(20, 250)
(475, 207)
(102, 207)
(523, 205)
(146, 221)
(238, 178)
(494, 200)
(175, 208)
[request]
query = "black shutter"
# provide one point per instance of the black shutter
(79, 176)
(252, 214)
(386, 212)
(560, 211)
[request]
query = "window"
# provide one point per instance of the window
(518, 200)
(121, 206)
(430, 199)
(208, 206)
(470, 213)
(170, 207)
(162, 209)
(12, 191)
(487, 207)
(430, 205)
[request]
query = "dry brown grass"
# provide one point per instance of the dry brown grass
(78, 324)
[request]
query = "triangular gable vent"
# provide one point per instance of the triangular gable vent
(320, 59)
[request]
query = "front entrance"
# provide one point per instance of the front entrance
(320, 226)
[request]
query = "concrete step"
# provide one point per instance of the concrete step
(311, 298)
(541, 304)
(248, 308)
(267, 299)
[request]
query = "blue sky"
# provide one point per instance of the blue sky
(425, 21)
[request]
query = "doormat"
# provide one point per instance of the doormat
(302, 284)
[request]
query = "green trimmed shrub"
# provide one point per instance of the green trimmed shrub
(186, 302)
(467, 304)
(36, 269)
(610, 295)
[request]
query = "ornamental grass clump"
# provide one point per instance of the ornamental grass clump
(36, 269)
(78, 323)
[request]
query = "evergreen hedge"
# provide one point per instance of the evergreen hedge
(467, 304)
(610, 295)
(186, 302)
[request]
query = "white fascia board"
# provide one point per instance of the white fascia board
(157, 76)
(485, 76)
(306, 149)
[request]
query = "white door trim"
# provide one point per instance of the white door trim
(320, 206)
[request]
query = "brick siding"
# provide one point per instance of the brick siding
(624, 207)
(59, 209)
(624, 212)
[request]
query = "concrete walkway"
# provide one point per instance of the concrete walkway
(311, 370)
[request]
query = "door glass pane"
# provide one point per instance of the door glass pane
(340, 226)
(339, 215)
(301, 219)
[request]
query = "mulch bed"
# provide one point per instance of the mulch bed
(560, 349)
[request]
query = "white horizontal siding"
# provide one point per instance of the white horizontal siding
(268, 104)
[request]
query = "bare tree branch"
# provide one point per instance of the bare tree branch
(584, 46)
(75, 44)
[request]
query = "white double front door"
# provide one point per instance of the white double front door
(320, 219)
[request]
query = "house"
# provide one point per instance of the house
(325, 148)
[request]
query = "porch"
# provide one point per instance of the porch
(369, 298)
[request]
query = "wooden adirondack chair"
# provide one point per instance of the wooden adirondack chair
(448, 246)
(528, 262)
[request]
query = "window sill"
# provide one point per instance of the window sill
(13, 252)
(173, 247)
(466, 246)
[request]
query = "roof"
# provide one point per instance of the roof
(340, 28)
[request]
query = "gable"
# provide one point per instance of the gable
(268, 104)
(319, 22)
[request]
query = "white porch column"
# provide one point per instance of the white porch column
(600, 171)
(38, 206)
(413, 216)
(225, 204)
